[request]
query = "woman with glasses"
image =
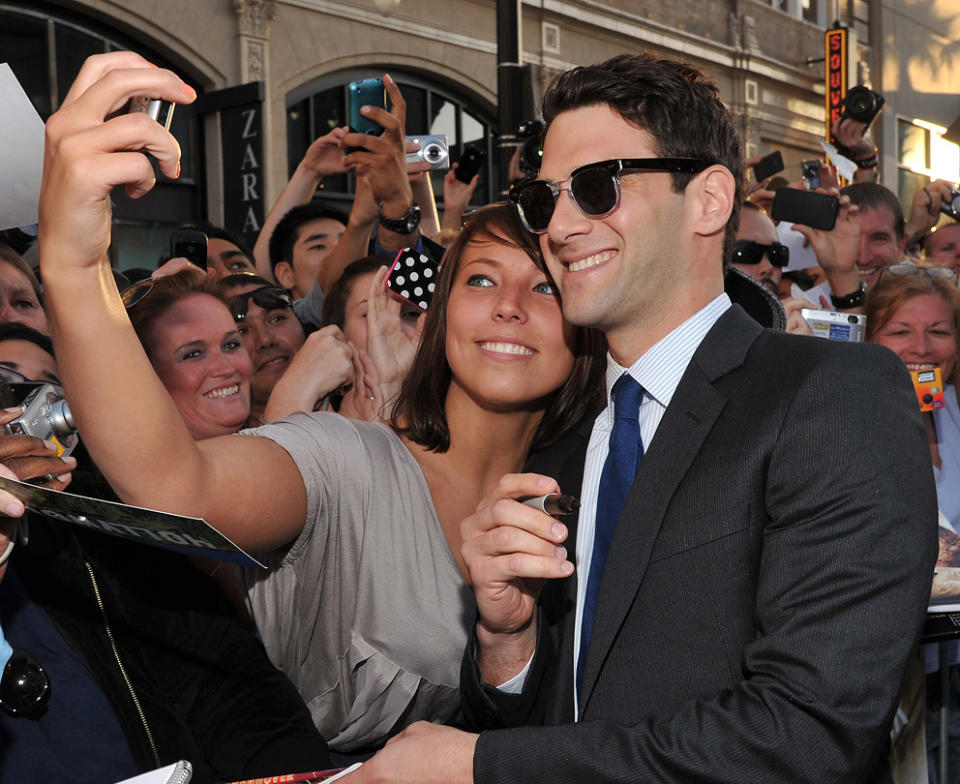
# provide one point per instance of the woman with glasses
(365, 605)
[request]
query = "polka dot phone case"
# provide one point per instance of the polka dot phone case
(413, 277)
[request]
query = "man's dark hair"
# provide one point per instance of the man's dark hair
(420, 409)
(671, 101)
(13, 330)
(873, 196)
(335, 303)
(287, 231)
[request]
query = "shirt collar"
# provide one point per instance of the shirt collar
(661, 367)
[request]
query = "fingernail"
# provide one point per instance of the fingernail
(51, 445)
(543, 481)
(558, 530)
(562, 553)
(365, 110)
(189, 92)
(69, 460)
(178, 170)
(64, 477)
(13, 410)
(13, 509)
(566, 567)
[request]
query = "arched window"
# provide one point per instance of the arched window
(45, 48)
(432, 108)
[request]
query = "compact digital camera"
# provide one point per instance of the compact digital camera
(45, 415)
(433, 150)
(529, 135)
(952, 208)
(847, 327)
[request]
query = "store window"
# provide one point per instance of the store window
(45, 49)
(922, 155)
(315, 109)
(813, 11)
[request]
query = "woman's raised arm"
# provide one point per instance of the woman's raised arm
(124, 414)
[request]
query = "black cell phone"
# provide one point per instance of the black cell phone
(816, 210)
(365, 92)
(768, 166)
(191, 245)
(413, 277)
(470, 162)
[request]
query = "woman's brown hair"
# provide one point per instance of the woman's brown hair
(892, 292)
(164, 293)
(420, 412)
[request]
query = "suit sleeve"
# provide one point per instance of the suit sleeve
(848, 549)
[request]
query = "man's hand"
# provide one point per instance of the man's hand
(323, 363)
(925, 207)
(423, 753)
(325, 155)
(456, 197)
(86, 155)
(510, 550)
(382, 158)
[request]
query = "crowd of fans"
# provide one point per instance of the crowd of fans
(377, 431)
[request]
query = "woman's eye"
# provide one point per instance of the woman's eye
(479, 280)
(193, 353)
(27, 304)
(232, 345)
(545, 288)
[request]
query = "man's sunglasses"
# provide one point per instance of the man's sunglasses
(749, 252)
(268, 298)
(594, 188)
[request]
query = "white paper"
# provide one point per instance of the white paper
(21, 153)
(177, 773)
(845, 167)
(800, 257)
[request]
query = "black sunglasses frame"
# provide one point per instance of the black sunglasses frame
(282, 299)
(777, 252)
(614, 169)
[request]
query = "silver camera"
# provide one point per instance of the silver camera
(155, 108)
(45, 415)
(433, 150)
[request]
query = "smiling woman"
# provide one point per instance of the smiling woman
(191, 339)
(917, 316)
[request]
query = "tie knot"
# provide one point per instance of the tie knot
(627, 394)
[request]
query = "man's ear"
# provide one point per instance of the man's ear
(714, 190)
(283, 272)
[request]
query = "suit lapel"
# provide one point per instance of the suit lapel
(695, 406)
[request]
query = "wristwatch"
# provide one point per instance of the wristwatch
(853, 300)
(405, 224)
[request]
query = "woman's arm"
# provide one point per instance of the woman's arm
(124, 414)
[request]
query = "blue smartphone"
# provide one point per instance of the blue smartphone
(365, 92)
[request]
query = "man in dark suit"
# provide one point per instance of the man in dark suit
(746, 611)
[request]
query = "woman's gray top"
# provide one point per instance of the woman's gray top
(366, 611)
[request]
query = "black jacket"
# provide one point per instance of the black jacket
(200, 688)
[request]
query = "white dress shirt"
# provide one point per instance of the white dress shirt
(658, 371)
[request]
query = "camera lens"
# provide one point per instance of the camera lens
(61, 419)
(432, 153)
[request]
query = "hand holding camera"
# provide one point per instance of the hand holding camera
(382, 159)
(325, 155)
(927, 204)
(86, 155)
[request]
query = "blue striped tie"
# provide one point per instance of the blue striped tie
(623, 460)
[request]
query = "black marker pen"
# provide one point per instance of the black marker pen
(553, 503)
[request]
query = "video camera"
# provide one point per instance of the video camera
(529, 134)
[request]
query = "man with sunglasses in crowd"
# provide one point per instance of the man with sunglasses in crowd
(745, 595)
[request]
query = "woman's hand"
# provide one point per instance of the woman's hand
(86, 155)
(389, 348)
